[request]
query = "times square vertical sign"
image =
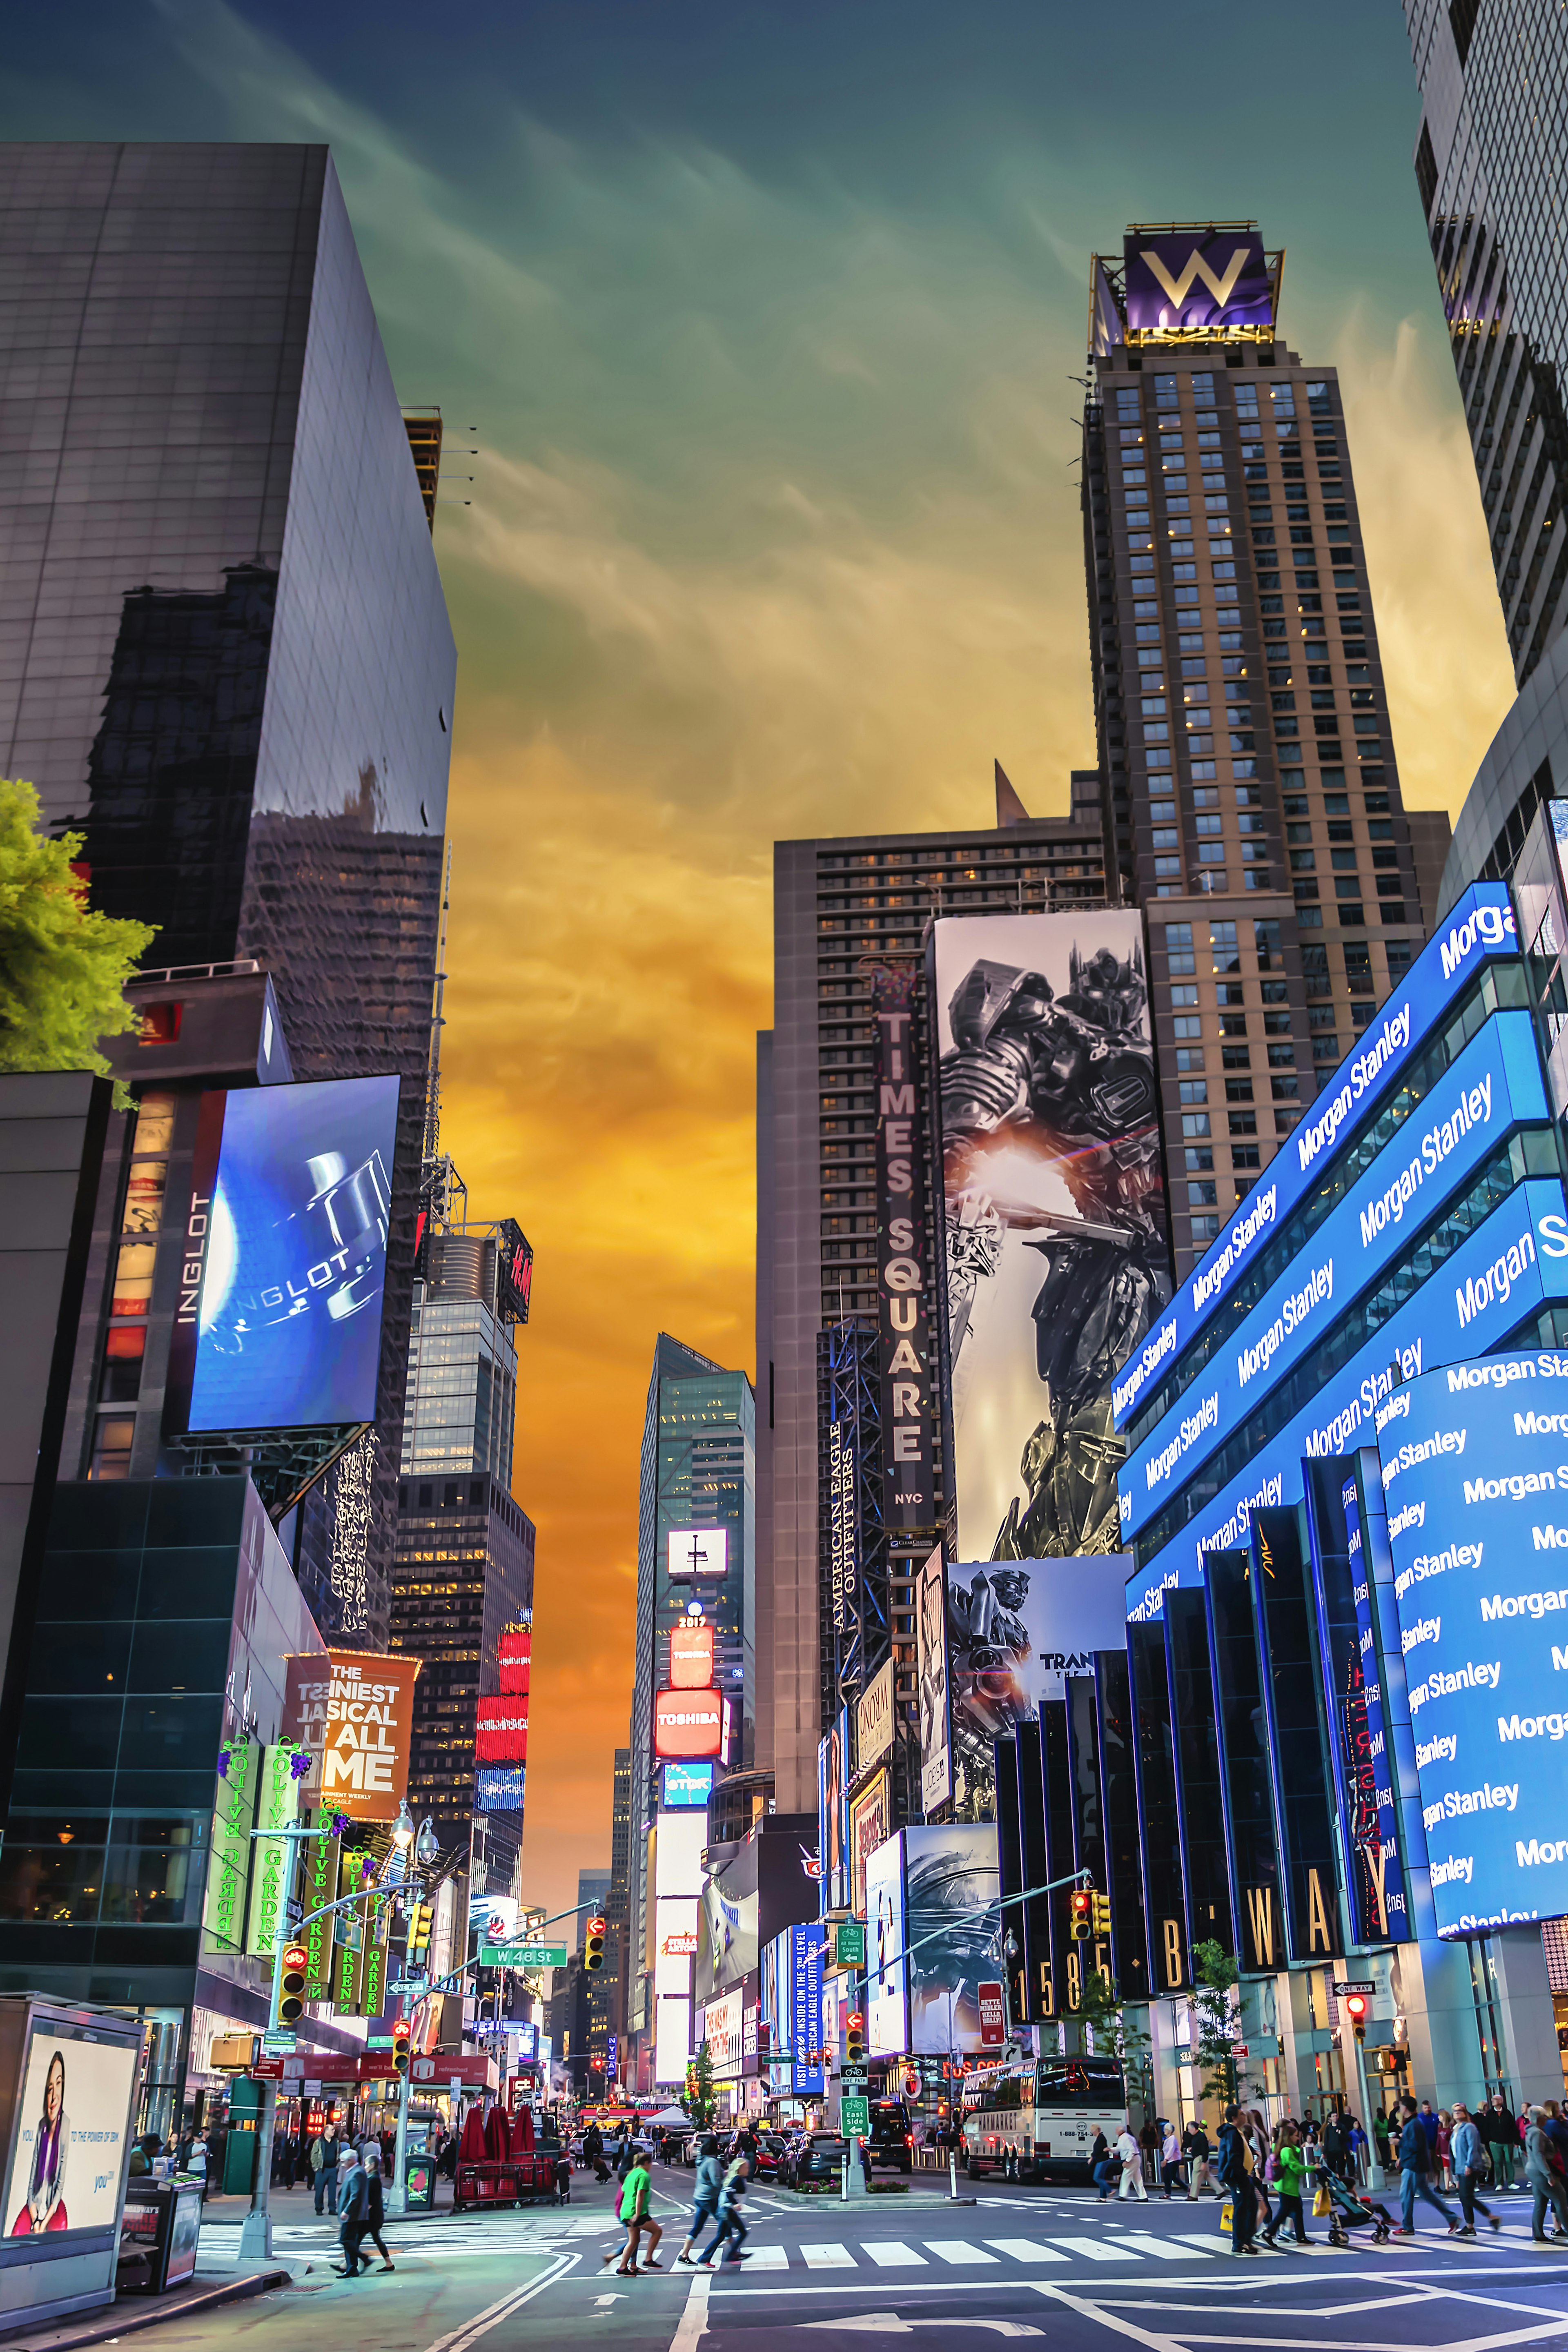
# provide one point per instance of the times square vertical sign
(904, 1272)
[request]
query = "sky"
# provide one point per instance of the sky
(765, 322)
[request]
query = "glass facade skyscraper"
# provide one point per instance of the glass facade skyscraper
(1489, 162)
(225, 655)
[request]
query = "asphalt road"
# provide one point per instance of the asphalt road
(1018, 2264)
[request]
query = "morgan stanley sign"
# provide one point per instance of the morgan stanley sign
(1194, 279)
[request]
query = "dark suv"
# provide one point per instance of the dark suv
(814, 2160)
(889, 2143)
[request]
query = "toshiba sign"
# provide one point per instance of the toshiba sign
(688, 1723)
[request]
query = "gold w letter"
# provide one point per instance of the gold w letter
(1260, 1909)
(1178, 289)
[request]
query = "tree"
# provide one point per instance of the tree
(1101, 2008)
(63, 968)
(699, 2100)
(1214, 2021)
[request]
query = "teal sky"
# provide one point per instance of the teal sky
(768, 319)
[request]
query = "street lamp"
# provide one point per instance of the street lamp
(403, 1830)
(427, 1851)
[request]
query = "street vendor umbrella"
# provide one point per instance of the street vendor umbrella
(497, 2139)
(672, 2120)
(471, 2147)
(522, 2131)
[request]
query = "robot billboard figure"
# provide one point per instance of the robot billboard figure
(1069, 1083)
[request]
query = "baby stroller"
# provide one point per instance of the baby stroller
(1348, 2210)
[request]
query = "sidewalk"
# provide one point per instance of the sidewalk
(130, 2313)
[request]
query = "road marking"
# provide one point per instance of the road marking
(1171, 2250)
(955, 2250)
(1094, 2313)
(893, 2254)
(829, 2257)
(767, 2258)
(694, 2316)
(1093, 2249)
(460, 2339)
(1025, 2250)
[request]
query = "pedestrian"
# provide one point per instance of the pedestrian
(1150, 2140)
(1102, 2168)
(729, 2225)
(1236, 2176)
(1335, 2142)
(636, 2189)
(593, 2152)
(1381, 2134)
(325, 2151)
(376, 2209)
(1466, 2154)
(1195, 2148)
(1257, 2134)
(1428, 2122)
(1169, 2159)
(1291, 2172)
(1415, 2173)
(354, 2211)
(1556, 2130)
(1444, 2147)
(1542, 2178)
(1130, 2156)
(1503, 2138)
(705, 2203)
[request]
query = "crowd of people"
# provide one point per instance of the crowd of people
(1268, 2175)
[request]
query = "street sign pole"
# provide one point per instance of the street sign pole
(398, 2200)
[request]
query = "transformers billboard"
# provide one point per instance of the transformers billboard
(1057, 1236)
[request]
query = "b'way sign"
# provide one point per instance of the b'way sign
(353, 1710)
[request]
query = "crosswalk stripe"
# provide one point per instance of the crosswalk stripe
(1094, 2250)
(955, 2250)
(893, 2254)
(767, 2258)
(828, 2258)
(1171, 2250)
(1025, 2250)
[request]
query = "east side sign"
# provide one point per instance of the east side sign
(353, 1710)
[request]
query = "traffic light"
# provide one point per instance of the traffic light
(1080, 1914)
(1102, 1912)
(292, 1986)
(421, 1917)
(1355, 2005)
(854, 2038)
(593, 1945)
(401, 2040)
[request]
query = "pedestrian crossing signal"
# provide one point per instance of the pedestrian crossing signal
(593, 1945)
(1080, 1914)
(401, 2042)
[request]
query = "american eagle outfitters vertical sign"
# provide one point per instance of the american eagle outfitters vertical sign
(903, 1265)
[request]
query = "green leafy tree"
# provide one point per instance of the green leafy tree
(1101, 2008)
(699, 2100)
(1214, 2023)
(63, 968)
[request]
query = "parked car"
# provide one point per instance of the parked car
(689, 2148)
(770, 2147)
(814, 2160)
(889, 2143)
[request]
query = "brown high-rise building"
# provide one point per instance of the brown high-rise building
(1252, 802)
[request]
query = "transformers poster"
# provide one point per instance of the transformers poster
(279, 1325)
(1057, 1240)
(1016, 1628)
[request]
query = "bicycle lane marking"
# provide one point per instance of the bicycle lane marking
(458, 2339)
(694, 2317)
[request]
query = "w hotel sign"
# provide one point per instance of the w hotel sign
(1200, 281)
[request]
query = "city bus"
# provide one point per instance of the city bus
(1042, 2116)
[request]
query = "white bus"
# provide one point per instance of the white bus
(1035, 2119)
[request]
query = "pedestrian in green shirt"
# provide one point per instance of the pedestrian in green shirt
(636, 2190)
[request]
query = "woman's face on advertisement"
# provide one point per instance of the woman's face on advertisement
(55, 2089)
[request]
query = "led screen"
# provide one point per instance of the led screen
(805, 1950)
(1473, 1477)
(688, 1784)
(514, 1656)
(697, 1551)
(688, 1723)
(500, 1731)
(886, 2029)
(1494, 1085)
(1058, 1259)
(951, 1915)
(1480, 927)
(279, 1325)
(498, 1787)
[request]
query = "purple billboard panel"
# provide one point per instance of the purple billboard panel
(1185, 279)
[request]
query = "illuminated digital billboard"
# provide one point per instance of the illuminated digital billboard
(1058, 1256)
(1479, 929)
(697, 1551)
(687, 1724)
(887, 2015)
(514, 1657)
(500, 1731)
(1197, 280)
(688, 1784)
(1473, 1481)
(278, 1320)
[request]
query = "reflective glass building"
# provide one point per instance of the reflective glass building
(1489, 163)
(225, 655)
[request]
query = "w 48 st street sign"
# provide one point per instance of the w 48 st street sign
(522, 1956)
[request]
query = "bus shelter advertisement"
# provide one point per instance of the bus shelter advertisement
(1475, 1474)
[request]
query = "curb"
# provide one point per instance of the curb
(124, 2319)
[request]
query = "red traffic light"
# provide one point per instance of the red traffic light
(596, 1926)
(1355, 2007)
(855, 2023)
(295, 1956)
(1080, 1914)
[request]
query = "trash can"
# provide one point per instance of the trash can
(163, 2224)
(418, 2181)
